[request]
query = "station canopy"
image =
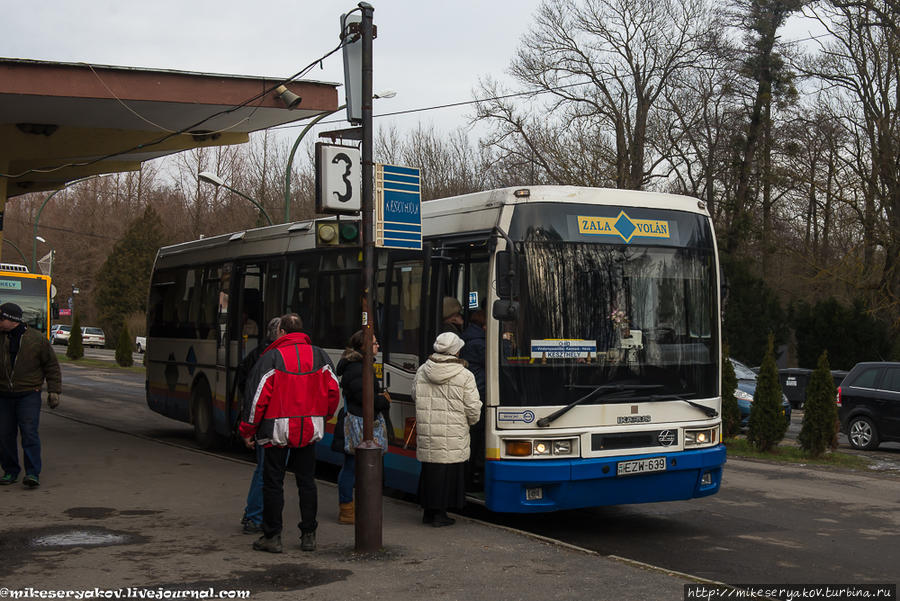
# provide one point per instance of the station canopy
(60, 122)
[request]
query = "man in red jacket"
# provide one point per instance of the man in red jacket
(292, 390)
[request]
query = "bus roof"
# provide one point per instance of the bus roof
(478, 211)
(13, 267)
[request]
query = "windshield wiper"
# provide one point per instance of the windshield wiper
(709, 411)
(618, 388)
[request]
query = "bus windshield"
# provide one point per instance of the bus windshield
(30, 293)
(639, 321)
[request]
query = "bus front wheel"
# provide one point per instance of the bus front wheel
(204, 428)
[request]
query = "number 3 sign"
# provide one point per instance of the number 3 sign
(338, 179)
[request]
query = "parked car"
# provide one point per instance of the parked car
(140, 343)
(59, 334)
(869, 404)
(93, 337)
(746, 378)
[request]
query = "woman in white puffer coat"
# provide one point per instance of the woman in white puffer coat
(447, 403)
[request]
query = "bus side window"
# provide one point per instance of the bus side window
(206, 323)
(339, 311)
(300, 292)
(273, 305)
(222, 317)
(250, 323)
(404, 315)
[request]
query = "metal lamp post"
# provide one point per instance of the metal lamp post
(211, 178)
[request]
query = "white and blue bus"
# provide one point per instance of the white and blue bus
(602, 332)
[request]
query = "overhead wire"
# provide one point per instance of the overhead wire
(449, 105)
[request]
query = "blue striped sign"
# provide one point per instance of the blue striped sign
(398, 207)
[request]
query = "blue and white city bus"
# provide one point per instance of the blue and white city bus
(603, 339)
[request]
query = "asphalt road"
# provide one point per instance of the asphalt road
(769, 524)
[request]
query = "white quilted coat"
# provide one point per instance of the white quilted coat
(447, 403)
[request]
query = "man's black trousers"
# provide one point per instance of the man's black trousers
(302, 462)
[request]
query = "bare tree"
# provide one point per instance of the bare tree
(606, 64)
(450, 164)
(702, 113)
(765, 67)
(860, 65)
(203, 201)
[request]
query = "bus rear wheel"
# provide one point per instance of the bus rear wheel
(204, 429)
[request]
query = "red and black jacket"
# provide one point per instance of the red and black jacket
(291, 391)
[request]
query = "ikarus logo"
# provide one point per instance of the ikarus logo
(623, 226)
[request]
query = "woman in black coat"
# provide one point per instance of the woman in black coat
(350, 370)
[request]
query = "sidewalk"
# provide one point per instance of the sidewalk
(116, 511)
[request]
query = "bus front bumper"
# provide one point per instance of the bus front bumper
(552, 485)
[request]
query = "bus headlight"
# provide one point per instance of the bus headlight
(557, 447)
(563, 447)
(701, 438)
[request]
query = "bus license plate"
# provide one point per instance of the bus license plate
(641, 466)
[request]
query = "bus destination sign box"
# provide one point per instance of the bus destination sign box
(398, 207)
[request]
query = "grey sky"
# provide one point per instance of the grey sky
(430, 53)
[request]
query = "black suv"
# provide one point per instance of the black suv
(869, 404)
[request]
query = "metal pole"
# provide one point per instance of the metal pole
(19, 250)
(368, 453)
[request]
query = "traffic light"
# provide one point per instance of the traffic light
(337, 233)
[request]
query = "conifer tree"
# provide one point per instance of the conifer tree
(767, 424)
(820, 410)
(124, 348)
(124, 278)
(75, 349)
(731, 413)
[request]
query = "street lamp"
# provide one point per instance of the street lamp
(52, 254)
(290, 161)
(212, 178)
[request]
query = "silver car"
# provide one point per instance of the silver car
(59, 334)
(93, 337)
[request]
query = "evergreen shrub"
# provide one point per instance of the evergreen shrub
(767, 424)
(124, 348)
(75, 349)
(820, 418)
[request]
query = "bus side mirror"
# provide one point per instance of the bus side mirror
(504, 285)
(505, 310)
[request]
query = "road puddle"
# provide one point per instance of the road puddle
(80, 538)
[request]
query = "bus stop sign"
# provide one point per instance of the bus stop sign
(398, 207)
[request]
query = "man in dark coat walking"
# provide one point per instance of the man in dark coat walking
(26, 360)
